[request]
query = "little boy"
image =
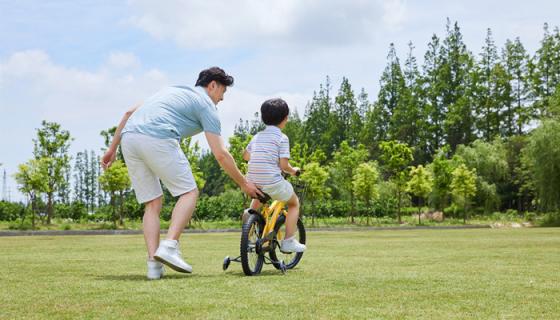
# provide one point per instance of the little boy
(268, 154)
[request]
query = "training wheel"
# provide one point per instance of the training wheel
(227, 261)
(282, 266)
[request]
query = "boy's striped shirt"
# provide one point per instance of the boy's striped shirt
(266, 148)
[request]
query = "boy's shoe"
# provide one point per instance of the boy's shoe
(169, 254)
(292, 245)
(155, 270)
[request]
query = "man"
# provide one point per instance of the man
(149, 135)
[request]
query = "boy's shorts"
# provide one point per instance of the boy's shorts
(281, 191)
(150, 159)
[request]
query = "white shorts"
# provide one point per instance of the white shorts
(150, 159)
(281, 191)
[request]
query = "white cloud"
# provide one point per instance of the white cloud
(202, 24)
(123, 60)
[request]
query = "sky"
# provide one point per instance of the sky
(83, 63)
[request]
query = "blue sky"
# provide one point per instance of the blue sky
(83, 63)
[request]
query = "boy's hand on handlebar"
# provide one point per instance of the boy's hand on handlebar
(297, 172)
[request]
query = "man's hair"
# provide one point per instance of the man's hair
(274, 111)
(214, 74)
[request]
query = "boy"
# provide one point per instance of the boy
(268, 154)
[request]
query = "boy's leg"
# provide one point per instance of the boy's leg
(293, 215)
(151, 225)
(290, 243)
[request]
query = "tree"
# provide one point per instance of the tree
(315, 177)
(545, 70)
(420, 185)
(32, 178)
(345, 162)
(396, 158)
(115, 180)
(463, 186)
(192, 152)
(391, 91)
(431, 89)
(365, 184)
(488, 122)
(441, 169)
(52, 142)
(516, 63)
(542, 156)
(490, 162)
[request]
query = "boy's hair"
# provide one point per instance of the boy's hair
(214, 74)
(274, 111)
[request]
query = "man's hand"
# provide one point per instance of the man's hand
(108, 159)
(251, 190)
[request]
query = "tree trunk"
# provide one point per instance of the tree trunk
(114, 206)
(399, 206)
(121, 219)
(49, 207)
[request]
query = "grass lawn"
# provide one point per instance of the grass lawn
(404, 274)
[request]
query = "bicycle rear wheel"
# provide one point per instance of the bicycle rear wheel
(293, 258)
(251, 259)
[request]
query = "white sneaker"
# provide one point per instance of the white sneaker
(170, 254)
(155, 270)
(292, 245)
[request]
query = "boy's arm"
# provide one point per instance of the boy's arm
(246, 155)
(286, 167)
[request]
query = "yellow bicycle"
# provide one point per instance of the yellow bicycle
(261, 234)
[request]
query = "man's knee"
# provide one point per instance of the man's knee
(154, 205)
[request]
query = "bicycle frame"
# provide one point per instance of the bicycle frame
(271, 214)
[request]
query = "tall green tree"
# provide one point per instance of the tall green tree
(391, 91)
(52, 142)
(192, 152)
(365, 184)
(318, 115)
(32, 180)
(315, 177)
(441, 168)
(420, 185)
(345, 163)
(463, 187)
(396, 158)
(488, 112)
(455, 81)
(115, 181)
(542, 155)
(545, 75)
(432, 84)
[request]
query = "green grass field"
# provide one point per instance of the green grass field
(408, 274)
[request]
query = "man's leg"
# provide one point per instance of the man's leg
(182, 213)
(151, 225)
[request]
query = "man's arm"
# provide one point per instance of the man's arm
(111, 153)
(227, 162)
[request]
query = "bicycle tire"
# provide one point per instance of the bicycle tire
(251, 260)
(291, 259)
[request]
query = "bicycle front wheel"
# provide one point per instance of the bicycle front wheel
(251, 259)
(291, 259)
